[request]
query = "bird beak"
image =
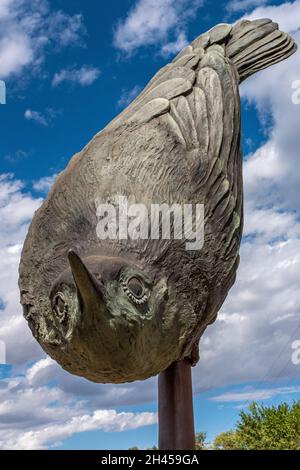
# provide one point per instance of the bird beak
(90, 290)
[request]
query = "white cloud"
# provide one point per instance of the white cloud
(259, 320)
(16, 210)
(4, 8)
(106, 420)
(286, 14)
(28, 29)
(44, 119)
(37, 367)
(239, 5)
(255, 395)
(159, 23)
(36, 116)
(65, 29)
(175, 46)
(84, 76)
(44, 184)
(15, 54)
(41, 417)
(128, 96)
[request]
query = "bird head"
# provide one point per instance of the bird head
(118, 322)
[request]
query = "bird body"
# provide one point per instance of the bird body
(117, 310)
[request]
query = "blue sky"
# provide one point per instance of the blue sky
(69, 68)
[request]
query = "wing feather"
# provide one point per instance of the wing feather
(209, 82)
(170, 72)
(190, 60)
(196, 98)
(207, 120)
(181, 111)
(198, 105)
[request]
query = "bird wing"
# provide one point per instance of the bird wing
(196, 98)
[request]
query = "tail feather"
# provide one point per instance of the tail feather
(255, 45)
(276, 38)
(245, 26)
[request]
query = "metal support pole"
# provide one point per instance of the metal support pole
(175, 408)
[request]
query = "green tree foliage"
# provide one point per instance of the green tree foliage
(274, 427)
(200, 440)
(226, 441)
(264, 428)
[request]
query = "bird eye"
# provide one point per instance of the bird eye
(60, 307)
(136, 287)
(135, 290)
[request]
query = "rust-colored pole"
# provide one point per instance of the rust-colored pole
(175, 408)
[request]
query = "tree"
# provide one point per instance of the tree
(200, 440)
(274, 427)
(227, 440)
(264, 428)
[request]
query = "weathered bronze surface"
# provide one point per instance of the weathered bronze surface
(124, 310)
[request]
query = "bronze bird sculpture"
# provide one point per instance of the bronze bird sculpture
(115, 309)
